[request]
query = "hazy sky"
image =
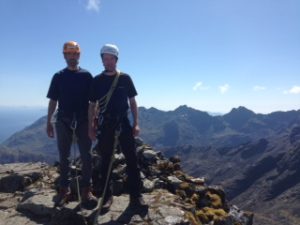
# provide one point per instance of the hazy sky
(212, 55)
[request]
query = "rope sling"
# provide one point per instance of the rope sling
(74, 140)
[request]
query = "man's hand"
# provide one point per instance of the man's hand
(50, 130)
(136, 130)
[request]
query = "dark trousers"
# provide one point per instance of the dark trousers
(127, 145)
(64, 135)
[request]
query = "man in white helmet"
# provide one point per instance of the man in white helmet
(70, 89)
(114, 116)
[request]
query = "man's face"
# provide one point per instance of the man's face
(109, 62)
(72, 58)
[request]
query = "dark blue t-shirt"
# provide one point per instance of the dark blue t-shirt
(125, 90)
(71, 90)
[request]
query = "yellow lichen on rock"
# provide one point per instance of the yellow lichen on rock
(192, 219)
(207, 214)
(215, 200)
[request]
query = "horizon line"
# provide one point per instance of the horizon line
(215, 113)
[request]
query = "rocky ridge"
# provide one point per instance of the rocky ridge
(27, 191)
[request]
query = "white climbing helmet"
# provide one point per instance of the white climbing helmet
(110, 49)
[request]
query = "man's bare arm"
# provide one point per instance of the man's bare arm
(51, 109)
(134, 111)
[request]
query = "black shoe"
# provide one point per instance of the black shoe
(137, 202)
(63, 197)
(107, 203)
(89, 201)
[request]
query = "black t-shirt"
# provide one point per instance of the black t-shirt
(118, 103)
(71, 90)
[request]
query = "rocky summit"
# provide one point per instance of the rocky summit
(28, 190)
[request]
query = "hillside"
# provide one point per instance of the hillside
(267, 170)
(13, 119)
(31, 142)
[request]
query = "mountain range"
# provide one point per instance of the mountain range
(180, 127)
(250, 154)
(189, 126)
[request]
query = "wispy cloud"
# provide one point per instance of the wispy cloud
(224, 88)
(293, 90)
(93, 5)
(200, 86)
(259, 88)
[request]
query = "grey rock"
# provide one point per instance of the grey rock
(174, 181)
(161, 210)
(40, 204)
(139, 149)
(17, 176)
(119, 158)
(148, 185)
(13, 217)
(9, 200)
(153, 171)
(150, 155)
(240, 216)
(139, 141)
(165, 209)
(198, 180)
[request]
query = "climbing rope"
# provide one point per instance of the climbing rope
(74, 141)
(112, 159)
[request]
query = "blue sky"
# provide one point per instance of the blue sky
(212, 55)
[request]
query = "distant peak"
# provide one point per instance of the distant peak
(153, 109)
(183, 108)
(239, 116)
(241, 109)
(142, 108)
